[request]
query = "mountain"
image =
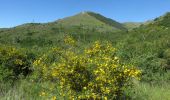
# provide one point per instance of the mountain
(163, 20)
(84, 23)
(92, 20)
(132, 25)
(149, 46)
(1, 29)
(85, 20)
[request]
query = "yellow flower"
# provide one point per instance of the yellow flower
(19, 61)
(42, 94)
(54, 98)
(105, 98)
(69, 40)
(84, 88)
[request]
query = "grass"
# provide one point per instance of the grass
(21, 90)
(145, 91)
(26, 90)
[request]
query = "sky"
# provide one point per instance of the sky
(17, 12)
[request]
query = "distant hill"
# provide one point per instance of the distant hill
(149, 44)
(81, 23)
(87, 22)
(163, 20)
(84, 20)
(92, 20)
(132, 25)
(3, 28)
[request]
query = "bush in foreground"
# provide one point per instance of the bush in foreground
(95, 73)
(13, 63)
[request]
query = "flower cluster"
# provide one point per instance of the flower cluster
(13, 63)
(69, 40)
(94, 74)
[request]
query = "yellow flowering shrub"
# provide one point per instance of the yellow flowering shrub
(13, 62)
(95, 73)
(69, 40)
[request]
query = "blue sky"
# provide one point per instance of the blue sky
(16, 12)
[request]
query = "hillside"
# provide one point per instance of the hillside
(163, 20)
(148, 46)
(44, 33)
(85, 20)
(91, 20)
(131, 25)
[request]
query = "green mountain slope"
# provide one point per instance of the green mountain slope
(163, 20)
(92, 20)
(85, 23)
(149, 47)
(131, 25)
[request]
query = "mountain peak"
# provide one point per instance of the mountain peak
(92, 20)
(84, 12)
(87, 12)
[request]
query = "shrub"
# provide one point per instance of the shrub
(166, 53)
(154, 68)
(95, 73)
(13, 63)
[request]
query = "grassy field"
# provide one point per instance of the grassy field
(145, 91)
